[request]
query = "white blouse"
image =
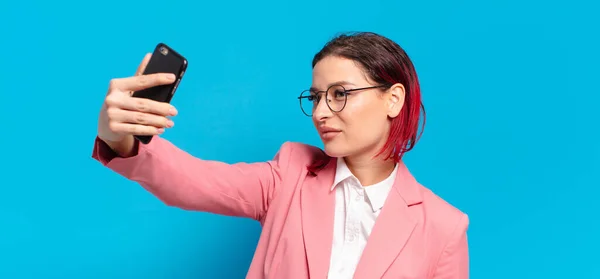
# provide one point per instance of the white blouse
(356, 209)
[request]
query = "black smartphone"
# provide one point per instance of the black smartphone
(163, 60)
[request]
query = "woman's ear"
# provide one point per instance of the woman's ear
(395, 99)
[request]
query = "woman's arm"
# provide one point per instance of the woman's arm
(174, 176)
(184, 181)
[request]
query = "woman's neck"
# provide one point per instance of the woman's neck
(370, 170)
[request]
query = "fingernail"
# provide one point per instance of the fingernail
(161, 130)
(173, 111)
(171, 77)
(170, 123)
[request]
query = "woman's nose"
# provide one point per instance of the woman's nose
(321, 109)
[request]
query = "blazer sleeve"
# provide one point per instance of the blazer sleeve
(181, 180)
(454, 260)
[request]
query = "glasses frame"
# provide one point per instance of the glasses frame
(346, 92)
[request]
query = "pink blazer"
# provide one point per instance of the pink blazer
(417, 234)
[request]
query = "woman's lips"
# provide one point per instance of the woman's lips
(328, 133)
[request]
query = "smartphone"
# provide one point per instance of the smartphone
(163, 60)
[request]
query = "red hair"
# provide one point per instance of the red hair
(385, 62)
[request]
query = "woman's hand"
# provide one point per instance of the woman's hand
(123, 116)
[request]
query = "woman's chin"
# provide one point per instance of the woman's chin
(335, 150)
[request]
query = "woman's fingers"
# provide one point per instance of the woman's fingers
(135, 129)
(124, 115)
(139, 118)
(140, 105)
(141, 82)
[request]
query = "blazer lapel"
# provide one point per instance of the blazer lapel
(318, 209)
(392, 228)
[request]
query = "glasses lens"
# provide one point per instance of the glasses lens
(307, 102)
(336, 96)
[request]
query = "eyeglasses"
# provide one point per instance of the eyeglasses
(337, 97)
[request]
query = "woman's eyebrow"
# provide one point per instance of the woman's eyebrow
(341, 82)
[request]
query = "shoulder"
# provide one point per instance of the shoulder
(437, 214)
(300, 149)
(299, 154)
(444, 220)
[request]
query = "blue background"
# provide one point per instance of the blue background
(511, 138)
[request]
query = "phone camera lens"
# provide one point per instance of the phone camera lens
(164, 50)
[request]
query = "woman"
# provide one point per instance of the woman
(352, 210)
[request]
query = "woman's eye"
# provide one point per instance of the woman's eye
(340, 93)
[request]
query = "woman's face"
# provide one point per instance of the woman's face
(362, 127)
